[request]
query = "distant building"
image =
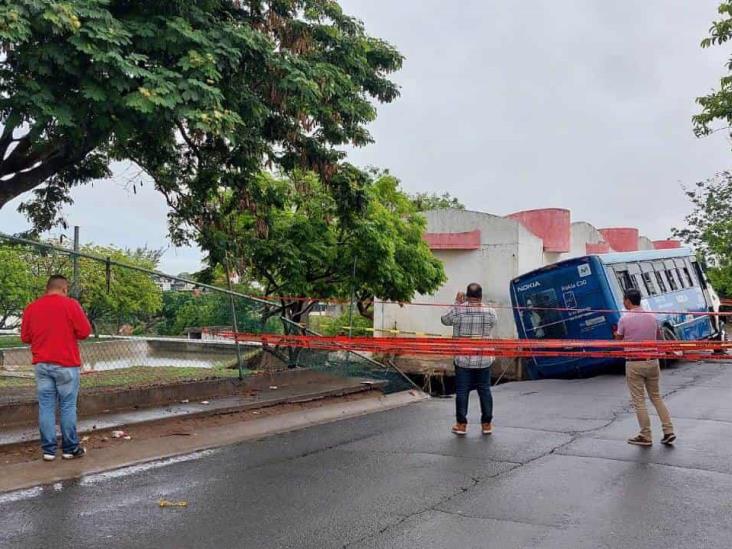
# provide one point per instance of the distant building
(170, 285)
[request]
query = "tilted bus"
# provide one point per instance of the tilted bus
(582, 298)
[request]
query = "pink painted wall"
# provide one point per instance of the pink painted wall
(597, 248)
(453, 241)
(621, 239)
(666, 244)
(552, 225)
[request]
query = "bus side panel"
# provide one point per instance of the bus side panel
(581, 287)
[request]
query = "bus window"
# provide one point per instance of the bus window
(699, 275)
(626, 283)
(649, 284)
(638, 283)
(635, 278)
(672, 280)
(545, 320)
(687, 276)
(660, 275)
(682, 269)
(680, 278)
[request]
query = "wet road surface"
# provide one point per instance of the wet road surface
(557, 473)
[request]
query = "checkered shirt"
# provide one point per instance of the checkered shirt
(471, 320)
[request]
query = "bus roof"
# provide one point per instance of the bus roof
(645, 255)
(611, 258)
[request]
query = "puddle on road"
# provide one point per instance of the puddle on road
(20, 495)
(133, 469)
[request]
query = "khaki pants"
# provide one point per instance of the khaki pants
(646, 374)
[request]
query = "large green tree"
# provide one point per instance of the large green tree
(111, 296)
(709, 228)
(16, 286)
(199, 93)
(308, 239)
(716, 107)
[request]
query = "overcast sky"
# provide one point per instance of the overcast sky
(580, 104)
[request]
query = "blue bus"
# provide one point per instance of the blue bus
(671, 281)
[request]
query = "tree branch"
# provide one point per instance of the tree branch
(23, 182)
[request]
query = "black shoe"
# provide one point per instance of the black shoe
(640, 440)
(668, 439)
(78, 453)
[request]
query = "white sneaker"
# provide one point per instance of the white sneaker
(80, 452)
(49, 457)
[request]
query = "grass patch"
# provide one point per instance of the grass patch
(137, 376)
(10, 341)
(13, 382)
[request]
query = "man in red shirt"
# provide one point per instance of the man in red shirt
(52, 325)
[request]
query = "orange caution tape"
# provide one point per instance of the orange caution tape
(638, 350)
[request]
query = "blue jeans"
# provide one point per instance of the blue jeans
(467, 379)
(57, 383)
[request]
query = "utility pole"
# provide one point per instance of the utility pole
(75, 285)
(239, 361)
(353, 297)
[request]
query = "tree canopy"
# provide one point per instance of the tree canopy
(709, 228)
(16, 287)
(307, 240)
(433, 201)
(110, 298)
(199, 93)
(717, 106)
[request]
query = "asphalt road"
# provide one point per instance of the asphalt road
(557, 473)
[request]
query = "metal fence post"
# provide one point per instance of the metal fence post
(353, 297)
(239, 362)
(75, 285)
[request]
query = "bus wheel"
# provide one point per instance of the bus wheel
(668, 335)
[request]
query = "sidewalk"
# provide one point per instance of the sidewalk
(294, 388)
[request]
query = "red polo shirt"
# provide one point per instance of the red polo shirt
(52, 325)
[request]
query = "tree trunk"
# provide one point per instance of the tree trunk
(365, 308)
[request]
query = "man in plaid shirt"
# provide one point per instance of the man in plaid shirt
(469, 317)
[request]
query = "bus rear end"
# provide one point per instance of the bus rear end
(567, 300)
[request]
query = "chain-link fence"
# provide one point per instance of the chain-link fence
(150, 326)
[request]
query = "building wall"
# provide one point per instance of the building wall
(645, 243)
(507, 249)
(582, 233)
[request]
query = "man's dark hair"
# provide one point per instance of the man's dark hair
(633, 295)
(474, 291)
(56, 281)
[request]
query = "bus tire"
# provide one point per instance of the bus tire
(667, 334)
